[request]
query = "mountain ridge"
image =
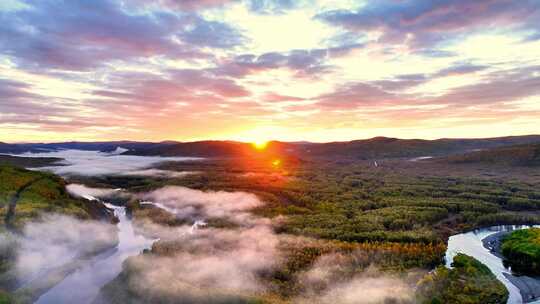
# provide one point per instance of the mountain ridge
(372, 148)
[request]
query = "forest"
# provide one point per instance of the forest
(388, 221)
(395, 217)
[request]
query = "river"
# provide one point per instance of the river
(83, 285)
(470, 243)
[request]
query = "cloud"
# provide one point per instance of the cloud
(390, 91)
(89, 163)
(274, 6)
(74, 35)
(495, 87)
(17, 98)
(353, 95)
(20, 106)
(211, 34)
(401, 82)
(273, 97)
(460, 69)
(87, 35)
(407, 81)
(81, 72)
(423, 24)
(190, 5)
(143, 100)
(254, 6)
(200, 80)
(144, 93)
(11, 89)
(304, 63)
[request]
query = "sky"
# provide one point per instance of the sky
(268, 69)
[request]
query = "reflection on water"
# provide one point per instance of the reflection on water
(83, 285)
(470, 243)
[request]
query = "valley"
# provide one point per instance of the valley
(302, 228)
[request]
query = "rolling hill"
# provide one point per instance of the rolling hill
(374, 148)
(518, 155)
(378, 147)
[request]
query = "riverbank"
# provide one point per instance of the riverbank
(529, 287)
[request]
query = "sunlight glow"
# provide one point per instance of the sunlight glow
(321, 70)
(260, 145)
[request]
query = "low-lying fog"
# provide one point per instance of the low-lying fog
(54, 241)
(88, 163)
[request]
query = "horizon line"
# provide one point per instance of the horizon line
(270, 140)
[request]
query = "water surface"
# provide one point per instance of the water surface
(83, 285)
(470, 243)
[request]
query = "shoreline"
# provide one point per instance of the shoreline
(529, 287)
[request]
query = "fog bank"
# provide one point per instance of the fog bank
(193, 204)
(90, 163)
(55, 240)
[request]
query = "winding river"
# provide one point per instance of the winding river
(470, 243)
(83, 285)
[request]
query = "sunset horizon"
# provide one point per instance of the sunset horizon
(270, 151)
(285, 70)
(258, 142)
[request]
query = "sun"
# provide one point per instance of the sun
(260, 145)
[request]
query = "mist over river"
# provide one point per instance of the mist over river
(83, 285)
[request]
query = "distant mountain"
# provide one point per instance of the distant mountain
(520, 155)
(378, 147)
(12, 148)
(384, 147)
(207, 148)
(374, 148)
(28, 162)
(106, 146)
